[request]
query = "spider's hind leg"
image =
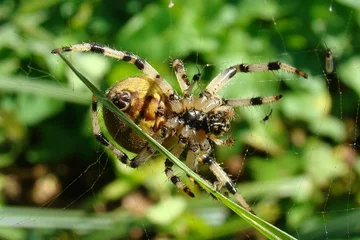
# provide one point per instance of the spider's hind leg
(223, 179)
(169, 172)
(175, 179)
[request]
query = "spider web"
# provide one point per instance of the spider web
(334, 175)
(295, 161)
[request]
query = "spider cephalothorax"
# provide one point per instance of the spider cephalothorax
(179, 122)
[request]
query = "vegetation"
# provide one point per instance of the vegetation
(300, 168)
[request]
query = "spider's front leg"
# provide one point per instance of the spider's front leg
(224, 77)
(129, 57)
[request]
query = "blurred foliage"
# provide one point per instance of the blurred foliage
(300, 169)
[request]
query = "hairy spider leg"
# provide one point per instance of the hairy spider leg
(201, 154)
(223, 179)
(169, 172)
(224, 77)
(181, 75)
(140, 63)
(238, 102)
(182, 78)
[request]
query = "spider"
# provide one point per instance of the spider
(329, 60)
(179, 122)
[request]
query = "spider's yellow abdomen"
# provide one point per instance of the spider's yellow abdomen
(147, 107)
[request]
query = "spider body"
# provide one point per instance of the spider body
(181, 122)
(329, 61)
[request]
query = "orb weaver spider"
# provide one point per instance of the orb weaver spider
(178, 122)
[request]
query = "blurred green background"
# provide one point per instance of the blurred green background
(299, 170)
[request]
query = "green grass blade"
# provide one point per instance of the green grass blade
(24, 217)
(262, 226)
(42, 88)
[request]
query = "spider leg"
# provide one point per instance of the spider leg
(222, 142)
(191, 161)
(141, 158)
(195, 79)
(181, 76)
(238, 102)
(175, 179)
(223, 179)
(200, 152)
(224, 77)
(169, 172)
(140, 63)
(145, 154)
